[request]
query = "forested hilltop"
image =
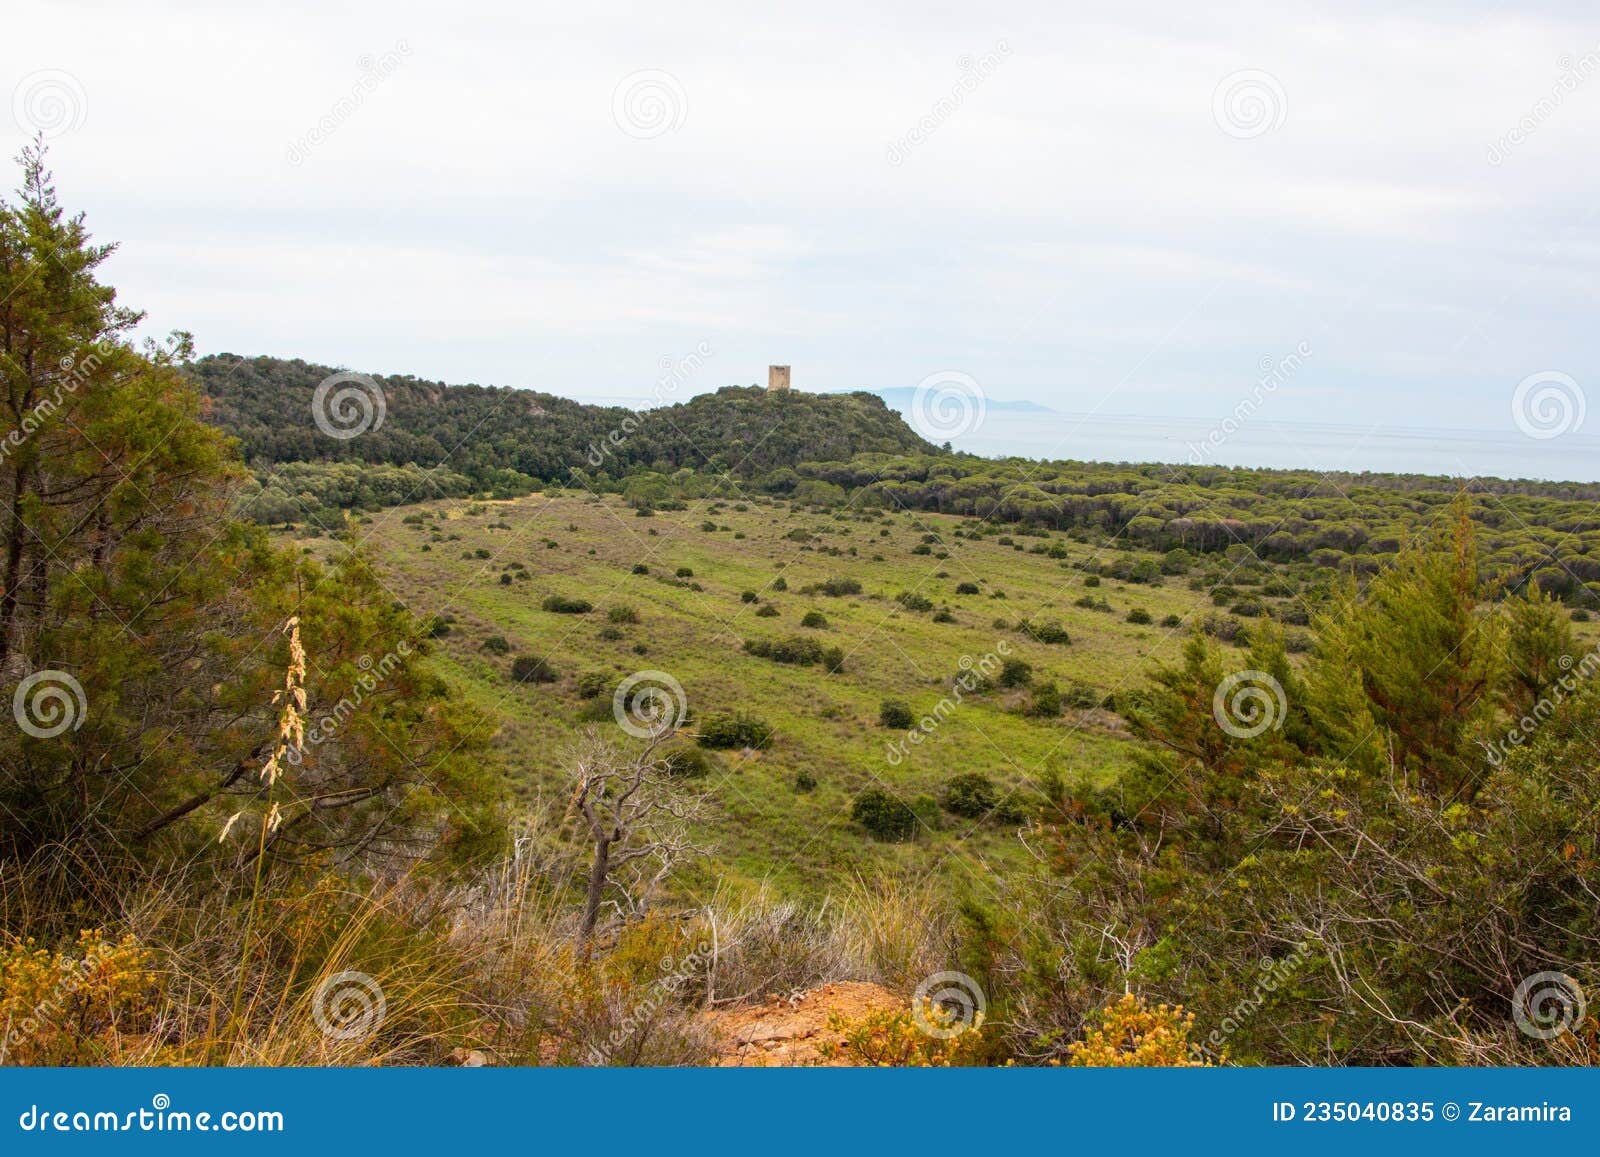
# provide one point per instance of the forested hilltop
(498, 436)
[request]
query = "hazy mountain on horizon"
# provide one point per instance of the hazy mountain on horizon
(901, 397)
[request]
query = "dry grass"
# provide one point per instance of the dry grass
(341, 971)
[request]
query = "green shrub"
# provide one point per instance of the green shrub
(1015, 673)
(724, 731)
(833, 660)
(1046, 701)
(943, 615)
(594, 683)
(839, 587)
(1083, 697)
(749, 597)
(815, 620)
(561, 605)
(622, 614)
(532, 669)
(640, 568)
(1146, 570)
(1050, 631)
(780, 583)
(912, 601)
(795, 649)
(688, 762)
(972, 795)
(684, 572)
(884, 816)
(1139, 617)
(896, 715)
(804, 781)
(967, 588)
(766, 611)
(609, 634)
(497, 645)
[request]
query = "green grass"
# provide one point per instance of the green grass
(826, 725)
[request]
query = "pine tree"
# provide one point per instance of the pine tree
(1427, 658)
(1539, 648)
(140, 622)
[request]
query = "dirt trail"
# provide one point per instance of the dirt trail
(792, 1031)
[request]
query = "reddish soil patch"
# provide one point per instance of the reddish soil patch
(792, 1031)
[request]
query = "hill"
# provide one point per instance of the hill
(499, 437)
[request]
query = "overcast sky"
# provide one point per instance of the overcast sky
(1120, 209)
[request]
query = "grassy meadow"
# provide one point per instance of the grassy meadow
(449, 559)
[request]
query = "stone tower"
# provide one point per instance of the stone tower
(777, 378)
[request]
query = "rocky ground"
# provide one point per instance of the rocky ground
(792, 1031)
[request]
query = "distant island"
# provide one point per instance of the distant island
(900, 398)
